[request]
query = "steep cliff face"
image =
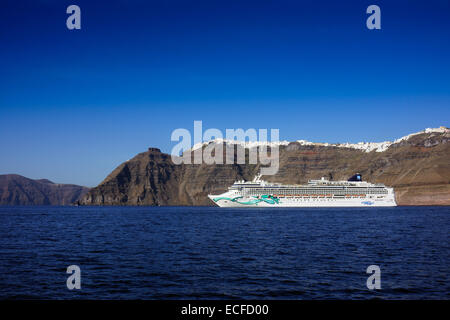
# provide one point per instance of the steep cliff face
(18, 190)
(418, 167)
(151, 178)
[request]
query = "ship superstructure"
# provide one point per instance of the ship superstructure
(317, 193)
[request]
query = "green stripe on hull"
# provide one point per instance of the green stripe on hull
(264, 198)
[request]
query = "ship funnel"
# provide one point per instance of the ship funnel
(356, 177)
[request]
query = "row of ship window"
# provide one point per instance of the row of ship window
(323, 191)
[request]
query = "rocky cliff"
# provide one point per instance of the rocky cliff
(18, 190)
(417, 166)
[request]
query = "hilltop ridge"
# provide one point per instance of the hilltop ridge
(365, 146)
(18, 190)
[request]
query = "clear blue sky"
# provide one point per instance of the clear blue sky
(75, 104)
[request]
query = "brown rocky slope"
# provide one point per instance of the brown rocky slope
(18, 190)
(418, 168)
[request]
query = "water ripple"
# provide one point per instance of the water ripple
(214, 253)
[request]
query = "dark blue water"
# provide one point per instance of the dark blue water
(215, 253)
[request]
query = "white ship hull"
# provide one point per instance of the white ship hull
(305, 203)
(301, 203)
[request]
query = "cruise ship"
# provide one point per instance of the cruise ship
(317, 193)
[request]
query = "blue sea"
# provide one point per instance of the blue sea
(219, 253)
